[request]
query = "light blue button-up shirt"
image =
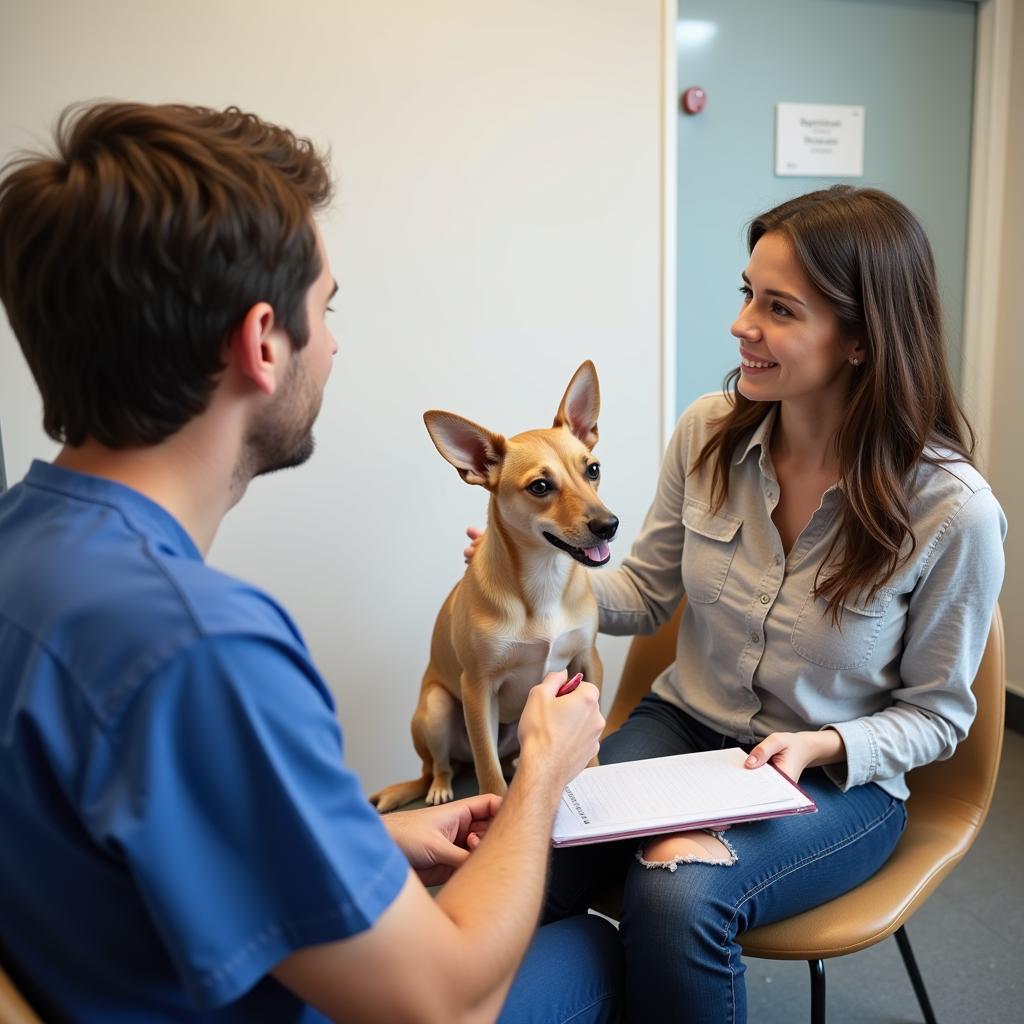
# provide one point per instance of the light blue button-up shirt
(757, 652)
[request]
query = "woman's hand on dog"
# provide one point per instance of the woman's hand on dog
(437, 840)
(560, 734)
(475, 535)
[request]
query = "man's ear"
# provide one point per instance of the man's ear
(473, 450)
(581, 405)
(255, 349)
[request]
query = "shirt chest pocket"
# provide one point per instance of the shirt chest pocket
(846, 645)
(709, 545)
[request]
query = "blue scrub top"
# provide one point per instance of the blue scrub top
(175, 814)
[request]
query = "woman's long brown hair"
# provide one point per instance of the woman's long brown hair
(869, 257)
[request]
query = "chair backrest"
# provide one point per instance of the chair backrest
(647, 658)
(964, 784)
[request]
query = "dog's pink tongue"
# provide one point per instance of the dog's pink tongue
(598, 554)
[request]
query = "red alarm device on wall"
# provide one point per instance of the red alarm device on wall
(693, 99)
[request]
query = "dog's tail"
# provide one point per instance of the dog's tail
(401, 793)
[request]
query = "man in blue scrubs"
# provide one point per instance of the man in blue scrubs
(180, 839)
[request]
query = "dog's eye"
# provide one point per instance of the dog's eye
(539, 488)
(594, 471)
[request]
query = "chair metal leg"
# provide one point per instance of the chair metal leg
(915, 976)
(817, 991)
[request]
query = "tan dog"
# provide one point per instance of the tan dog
(524, 607)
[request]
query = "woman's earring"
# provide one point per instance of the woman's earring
(855, 362)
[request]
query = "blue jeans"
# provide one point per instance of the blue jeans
(679, 925)
(572, 972)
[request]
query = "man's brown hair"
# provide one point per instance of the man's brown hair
(128, 256)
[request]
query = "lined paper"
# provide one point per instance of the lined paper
(638, 797)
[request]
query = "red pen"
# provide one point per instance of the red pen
(570, 684)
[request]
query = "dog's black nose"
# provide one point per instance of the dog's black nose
(604, 529)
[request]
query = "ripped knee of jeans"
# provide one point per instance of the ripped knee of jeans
(706, 847)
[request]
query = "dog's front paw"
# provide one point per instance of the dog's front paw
(440, 791)
(383, 801)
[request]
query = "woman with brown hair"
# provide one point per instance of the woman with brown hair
(841, 558)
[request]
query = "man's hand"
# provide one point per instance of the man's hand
(437, 840)
(475, 535)
(560, 734)
(792, 752)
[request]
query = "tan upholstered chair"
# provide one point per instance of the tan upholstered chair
(948, 804)
(13, 1008)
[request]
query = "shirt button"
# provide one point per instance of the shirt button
(765, 599)
(755, 638)
(777, 559)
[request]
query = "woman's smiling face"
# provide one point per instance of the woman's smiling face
(790, 343)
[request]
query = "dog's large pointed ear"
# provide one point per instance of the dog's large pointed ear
(581, 405)
(473, 450)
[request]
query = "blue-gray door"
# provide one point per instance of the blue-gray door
(910, 63)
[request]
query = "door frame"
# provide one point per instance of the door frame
(992, 75)
(993, 43)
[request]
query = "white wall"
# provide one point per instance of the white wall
(497, 222)
(1008, 411)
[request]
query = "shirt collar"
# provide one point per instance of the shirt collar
(144, 515)
(760, 439)
(762, 432)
